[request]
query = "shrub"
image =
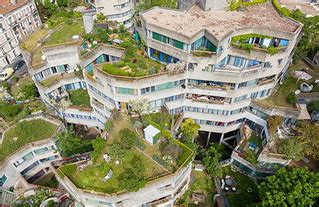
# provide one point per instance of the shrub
(121, 63)
(98, 146)
(15, 79)
(28, 91)
(111, 69)
(128, 138)
(272, 50)
(8, 110)
(313, 106)
(69, 21)
(291, 98)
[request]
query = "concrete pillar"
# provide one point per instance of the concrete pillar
(221, 138)
(208, 138)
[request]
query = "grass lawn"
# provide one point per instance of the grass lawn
(80, 97)
(65, 32)
(91, 177)
(25, 132)
(31, 41)
(290, 84)
(48, 180)
(243, 183)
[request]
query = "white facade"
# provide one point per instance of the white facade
(115, 10)
(18, 18)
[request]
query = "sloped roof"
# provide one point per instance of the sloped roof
(6, 6)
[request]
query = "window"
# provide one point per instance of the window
(280, 61)
(240, 98)
(3, 179)
(159, 37)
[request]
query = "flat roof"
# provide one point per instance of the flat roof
(219, 23)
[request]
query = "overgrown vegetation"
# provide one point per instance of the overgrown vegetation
(70, 144)
(80, 97)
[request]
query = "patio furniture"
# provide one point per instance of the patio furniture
(229, 182)
(304, 87)
(233, 189)
(226, 189)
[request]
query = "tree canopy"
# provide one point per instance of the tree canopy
(308, 136)
(69, 144)
(211, 160)
(290, 187)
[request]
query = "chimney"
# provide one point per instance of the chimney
(14, 2)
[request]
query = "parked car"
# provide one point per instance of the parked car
(18, 65)
(6, 74)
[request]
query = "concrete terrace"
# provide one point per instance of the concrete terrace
(219, 23)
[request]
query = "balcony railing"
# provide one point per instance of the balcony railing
(212, 87)
(265, 81)
(202, 53)
(206, 100)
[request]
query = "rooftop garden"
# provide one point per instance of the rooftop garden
(247, 191)
(23, 133)
(201, 186)
(236, 4)
(131, 161)
(251, 147)
(124, 157)
(134, 62)
(285, 94)
(65, 32)
(80, 97)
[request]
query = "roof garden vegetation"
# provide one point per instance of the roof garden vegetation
(284, 96)
(134, 63)
(245, 185)
(251, 147)
(236, 4)
(147, 4)
(80, 97)
(23, 133)
(130, 156)
(65, 32)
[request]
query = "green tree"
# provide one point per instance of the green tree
(98, 145)
(128, 138)
(211, 160)
(313, 106)
(69, 144)
(133, 179)
(189, 128)
(34, 200)
(308, 136)
(117, 151)
(291, 148)
(8, 110)
(28, 91)
(50, 8)
(62, 3)
(290, 187)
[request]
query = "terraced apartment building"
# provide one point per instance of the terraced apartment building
(212, 65)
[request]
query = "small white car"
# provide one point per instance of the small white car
(6, 74)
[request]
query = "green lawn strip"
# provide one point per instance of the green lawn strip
(48, 180)
(80, 97)
(243, 183)
(26, 132)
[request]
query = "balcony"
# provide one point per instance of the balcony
(207, 99)
(264, 81)
(213, 86)
(12, 24)
(203, 53)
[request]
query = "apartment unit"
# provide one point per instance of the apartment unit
(30, 162)
(120, 11)
(18, 18)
